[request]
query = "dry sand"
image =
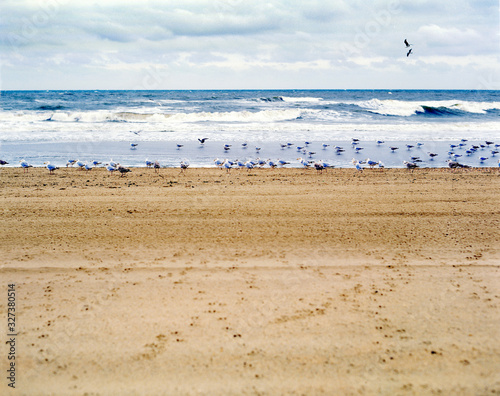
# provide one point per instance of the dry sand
(264, 282)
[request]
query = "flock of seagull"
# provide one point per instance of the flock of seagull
(455, 153)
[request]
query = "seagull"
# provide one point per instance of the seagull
(482, 159)
(257, 149)
(2, 162)
(407, 43)
(249, 165)
(113, 163)
(358, 166)
(261, 162)
(409, 146)
(80, 164)
(393, 149)
(133, 146)
(240, 164)
(371, 163)
(272, 164)
(304, 162)
(71, 163)
(325, 146)
(227, 147)
(202, 140)
(432, 155)
(149, 163)
(283, 162)
(123, 170)
(184, 165)
(110, 168)
(494, 152)
(88, 167)
(179, 146)
(380, 142)
(410, 165)
(489, 143)
(25, 165)
(455, 164)
(50, 167)
(244, 145)
(319, 166)
(95, 163)
(218, 162)
(326, 165)
(409, 52)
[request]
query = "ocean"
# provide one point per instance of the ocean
(57, 126)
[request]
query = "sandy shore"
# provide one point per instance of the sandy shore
(264, 282)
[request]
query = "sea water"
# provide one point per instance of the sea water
(57, 126)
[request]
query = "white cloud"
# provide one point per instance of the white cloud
(249, 38)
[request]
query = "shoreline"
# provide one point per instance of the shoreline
(273, 281)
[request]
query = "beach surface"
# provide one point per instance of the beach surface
(273, 281)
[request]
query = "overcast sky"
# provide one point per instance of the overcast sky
(249, 44)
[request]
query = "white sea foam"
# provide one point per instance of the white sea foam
(245, 131)
(301, 99)
(149, 115)
(409, 108)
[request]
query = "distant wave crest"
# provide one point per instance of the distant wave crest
(432, 108)
(264, 116)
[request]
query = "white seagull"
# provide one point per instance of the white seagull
(50, 167)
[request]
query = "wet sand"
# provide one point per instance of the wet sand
(277, 281)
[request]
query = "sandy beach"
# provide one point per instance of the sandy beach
(273, 281)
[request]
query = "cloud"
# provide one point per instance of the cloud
(246, 38)
(451, 39)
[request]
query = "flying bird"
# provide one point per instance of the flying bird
(407, 43)
(409, 52)
(203, 140)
